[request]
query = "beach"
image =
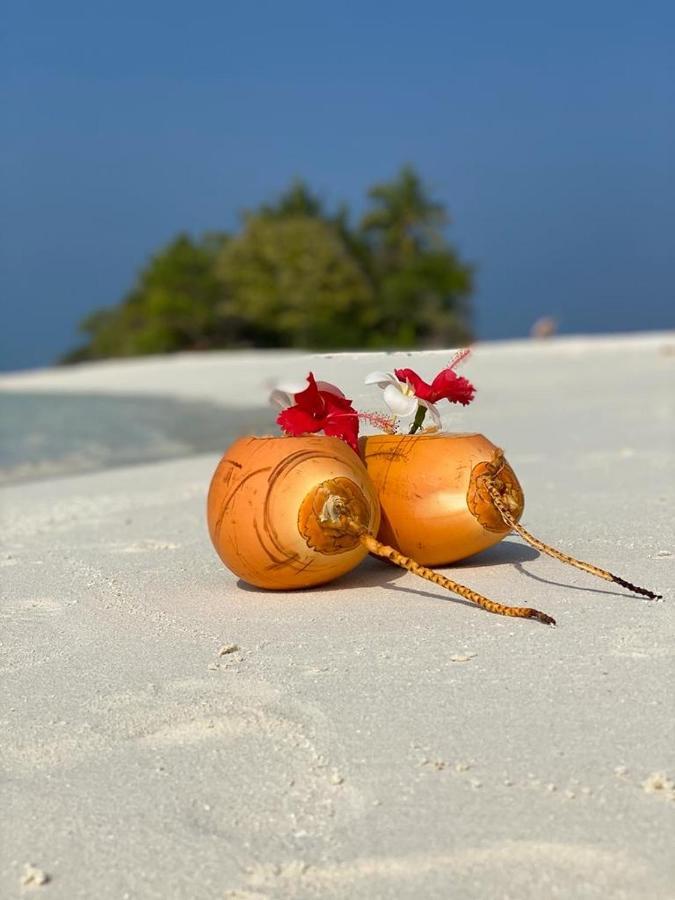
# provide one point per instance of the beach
(169, 732)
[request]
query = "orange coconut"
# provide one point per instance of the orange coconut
(433, 496)
(267, 504)
(292, 512)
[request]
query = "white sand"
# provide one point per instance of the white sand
(169, 733)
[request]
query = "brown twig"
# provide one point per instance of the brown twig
(497, 463)
(337, 516)
(521, 612)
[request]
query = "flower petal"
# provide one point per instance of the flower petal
(292, 387)
(311, 400)
(329, 388)
(296, 421)
(433, 412)
(398, 402)
(318, 407)
(334, 404)
(344, 426)
(281, 398)
(447, 385)
(421, 388)
(382, 379)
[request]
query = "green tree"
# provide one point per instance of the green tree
(298, 275)
(297, 200)
(173, 306)
(403, 220)
(423, 303)
(295, 284)
(421, 284)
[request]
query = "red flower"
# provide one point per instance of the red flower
(447, 385)
(321, 410)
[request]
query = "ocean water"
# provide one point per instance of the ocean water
(44, 435)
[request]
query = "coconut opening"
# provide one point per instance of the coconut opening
(335, 517)
(479, 499)
(331, 514)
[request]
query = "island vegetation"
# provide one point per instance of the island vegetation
(298, 275)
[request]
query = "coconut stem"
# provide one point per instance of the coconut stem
(497, 463)
(521, 612)
(337, 516)
(334, 519)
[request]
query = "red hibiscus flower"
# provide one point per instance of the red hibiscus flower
(406, 394)
(320, 407)
(447, 385)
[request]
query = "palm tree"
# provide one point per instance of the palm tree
(403, 219)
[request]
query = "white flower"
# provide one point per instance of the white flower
(400, 396)
(284, 394)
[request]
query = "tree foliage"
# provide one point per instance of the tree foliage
(172, 306)
(297, 200)
(403, 221)
(294, 280)
(298, 276)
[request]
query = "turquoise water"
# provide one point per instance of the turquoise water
(47, 435)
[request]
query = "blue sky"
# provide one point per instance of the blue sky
(547, 128)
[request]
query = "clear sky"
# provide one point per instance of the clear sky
(547, 127)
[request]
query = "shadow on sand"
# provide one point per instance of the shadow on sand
(374, 573)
